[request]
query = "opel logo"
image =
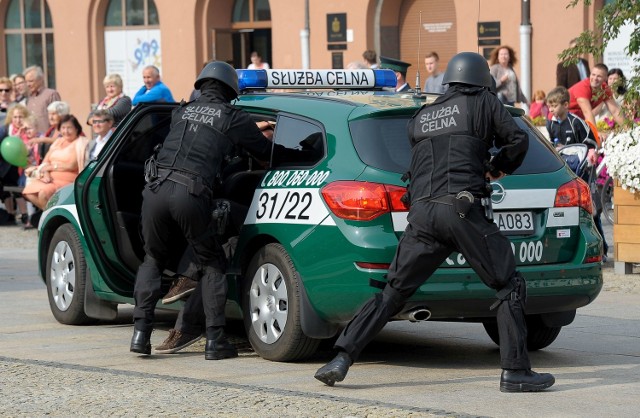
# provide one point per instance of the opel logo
(497, 193)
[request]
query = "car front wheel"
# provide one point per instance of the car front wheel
(66, 277)
(271, 305)
(539, 335)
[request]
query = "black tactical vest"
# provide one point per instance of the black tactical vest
(197, 143)
(447, 155)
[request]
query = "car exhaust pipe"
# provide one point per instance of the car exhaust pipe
(415, 315)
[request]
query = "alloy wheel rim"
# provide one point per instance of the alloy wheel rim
(268, 303)
(63, 275)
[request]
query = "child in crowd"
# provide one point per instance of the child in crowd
(566, 128)
(30, 134)
(538, 106)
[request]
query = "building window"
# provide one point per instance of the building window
(131, 40)
(247, 11)
(131, 13)
(29, 38)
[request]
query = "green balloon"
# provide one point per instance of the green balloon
(14, 151)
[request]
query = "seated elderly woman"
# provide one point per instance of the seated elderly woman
(60, 166)
(55, 111)
(115, 102)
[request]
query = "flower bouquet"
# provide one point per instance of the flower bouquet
(622, 151)
(606, 124)
(539, 121)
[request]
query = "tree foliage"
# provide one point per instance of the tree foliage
(609, 20)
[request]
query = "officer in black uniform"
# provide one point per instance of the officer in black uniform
(450, 141)
(178, 199)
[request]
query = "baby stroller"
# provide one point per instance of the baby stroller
(575, 155)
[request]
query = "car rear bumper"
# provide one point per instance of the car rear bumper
(458, 294)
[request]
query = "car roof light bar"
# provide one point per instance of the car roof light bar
(315, 79)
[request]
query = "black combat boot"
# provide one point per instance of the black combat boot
(525, 381)
(336, 370)
(141, 342)
(218, 347)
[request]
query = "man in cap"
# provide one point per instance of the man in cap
(449, 167)
(400, 68)
(178, 198)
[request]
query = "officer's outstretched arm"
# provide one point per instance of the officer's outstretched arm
(495, 176)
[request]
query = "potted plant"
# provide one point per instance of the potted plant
(622, 154)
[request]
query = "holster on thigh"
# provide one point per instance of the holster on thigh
(515, 292)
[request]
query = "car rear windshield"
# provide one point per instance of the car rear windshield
(382, 143)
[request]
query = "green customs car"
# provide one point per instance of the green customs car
(320, 233)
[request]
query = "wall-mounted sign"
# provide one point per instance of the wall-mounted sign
(437, 27)
(615, 55)
(488, 29)
(486, 53)
(337, 27)
(337, 47)
(489, 42)
(337, 60)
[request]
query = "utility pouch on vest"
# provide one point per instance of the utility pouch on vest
(488, 208)
(195, 187)
(463, 202)
(150, 169)
(220, 216)
(151, 165)
(406, 198)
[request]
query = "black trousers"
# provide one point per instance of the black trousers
(435, 230)
(168, 212)
(191, 316)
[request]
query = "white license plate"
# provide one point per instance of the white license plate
(514, 222)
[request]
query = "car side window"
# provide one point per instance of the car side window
(148, 132)
(306, 138)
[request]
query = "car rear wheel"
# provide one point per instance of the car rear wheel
(539, 335)
(66, 277)
(271, 305)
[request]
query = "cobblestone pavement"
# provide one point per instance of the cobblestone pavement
(64, 390)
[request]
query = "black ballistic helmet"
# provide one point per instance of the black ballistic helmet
(221, 71)
(468, 68)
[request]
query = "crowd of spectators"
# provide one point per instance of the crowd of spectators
(58, 148)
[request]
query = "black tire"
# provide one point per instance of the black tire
(271, 306)
(539, 335)
(66, 275)
(607, 200)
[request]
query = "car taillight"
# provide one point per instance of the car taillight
(373, 266)
(594, 259)
(395, 197)
(363, 201)
(574, 193)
